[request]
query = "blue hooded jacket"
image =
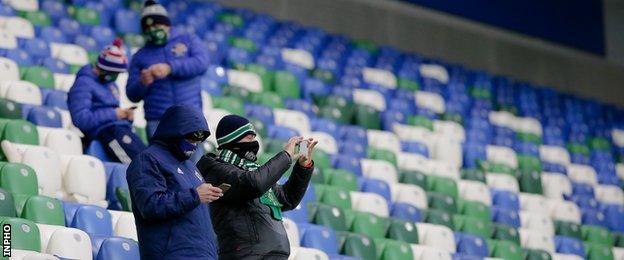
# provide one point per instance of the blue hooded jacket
(188, 57)
(171, 222)
(92, 104)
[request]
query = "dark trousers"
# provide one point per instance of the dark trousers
(121, 143)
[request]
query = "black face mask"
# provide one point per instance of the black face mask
(107, 77)
(247, 150)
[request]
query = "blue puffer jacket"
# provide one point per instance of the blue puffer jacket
(171, 222)
(188, 57)
(92, 104)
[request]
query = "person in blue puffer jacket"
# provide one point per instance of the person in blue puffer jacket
(168, 69)
(169, 195)
(93, 102)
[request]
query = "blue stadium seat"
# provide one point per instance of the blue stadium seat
(614, 214)
(313, 87)
(472, 152)
(553, 167)
(86, 42)
(69, 27)
(70, 209)
(415, 147)
(56, 65)
(402, 104)
(406, 212)
(300, 105)
(390, 117)
(44, 116)
(353, 149)
(54, 9)
(117, 179)
(458, 256)
(568, 245)
(127, 21)
(593, 217)
(505, 199)
(21, 57)
(582, 189)
(93, 220)
(216, 73)
(325, 125)
(320, 237)
(52, 34)
(119, 248)
(378, 187)
(260, 112)
(96, 149)
(280, 132)
(298, 214)
(506, 216)
(6, 10)
(354, 133)
(37, 48)
(471, 244)
(526, 148)
(347, 162)
(55, 99)
(238, 56)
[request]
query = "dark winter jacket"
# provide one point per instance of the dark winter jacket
(171, 222)
(245, 227)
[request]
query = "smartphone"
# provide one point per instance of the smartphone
(303, 147)
(225, 187)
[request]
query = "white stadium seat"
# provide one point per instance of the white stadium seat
(301, 58)
(123, 224)
(534, 203)
(554, 154)
(70, 243)
(69, 53)
(415, 133)
(431, 101)
(618, 253)
(292, 232)
(369, 202)
(555, 185)
(434, 71)
(501, 154)
(18, 27)
(534, 239)
(302, 253)
(414, 162)
(371, 98)
(449, 151)
(380, 170)
(245, 79)
(527, 125)
(43, 160)
(17, 254)
(293, 119)
(619, 169)
(618, 137)
(380, 77)
(23, 5)
(422, 252)
(45, 233)
(502, 118)
(583, 174)
(384, 140)
(537, 221)
(450, 130)
(566, 257)
(475, 191)
(609, 194)
(502, 182)
(9, 69)
(67, 122)
(410, 194)
(21, 91)
(62, 141)
(445, 169)
(215, 115)
(139, 115)
(326, 142)
(7, 40)
(64, 82)
(206, 101)
(437, 236)
(85, 180)
(565, 211)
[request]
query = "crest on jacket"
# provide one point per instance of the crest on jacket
(179, 49)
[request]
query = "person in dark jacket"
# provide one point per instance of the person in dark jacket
(169, 195)
(93, 103)
(248, 218)
(167, 70)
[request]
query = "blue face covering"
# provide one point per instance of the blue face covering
(187, 148)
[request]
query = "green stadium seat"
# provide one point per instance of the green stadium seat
(44, 210)
(123, 194)
(318, 176)
(321, 159)
(40, 76)
(85, 16)
(367, 117)
(381, 154)
(336, 114)
(536, 254)
(341, 178)
(7, 204)
(330, 216)
(438, 217)
(286, 85)
(507, 233)
(232, 19)
(413, 177)
(599, 143)
(10, 109)
(19, 178)
(442, 202)
(265, 75)
(37, 18)
(141, 132)
(473, 175)
(337, 197)
(92, 56)
(474, 209)
(454, 117)
(403, 231)
(388, 249)
(508, 108)
(24, 234)
(442, 185)
(472, 225)
(265, 157)
(578, 148)
(568, 229)
(598, 251)
(528, 137)
(243, 43)
(231, 104)
(506, 250)
(273, 146)
(323, 75)
(365, 45)
(270, 99)
(134, 40)
(369, 224)
(597, 235)
(480, 93)
(20, 131)
(358, 245)
(528, 163)
(530, 182)
(408, 84)
(420, 121)
(240, 93)
(492, 167)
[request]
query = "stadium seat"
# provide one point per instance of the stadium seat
(21, 91)
(505, 233)
(441, 202)
(442, 185)
(567, 245)
(69, 53)
(537, 221)
(598, 251)
(565, 211)
(474, 209)
(556, 186)
(505, 216)
(535, 239)
(500, 154)
(320, 237)
(475, 191)
(19, 27)
(123, 224)
(406, 212)
(436, 236)
(43, 210)
(70, 243)
(64, 142)
(302, 253)
(392, 249)
(44, 161)
(597, 235)
(25, 234)
(409, 194)
(473, 225)
(358, 245)
(118, 248)
(379, 169)
(292, 232)
(422, 252)
(85, 188)
(378, 187)
(18, 178)
(336, 197)
(610, 194)
(93, 220)
(10, 70)
(471, 245)
(370, 203)
(330, 216)
(43, 116)
(506, 250)
(534, 203)
(502, 182)
(582, 174)
(7, 204)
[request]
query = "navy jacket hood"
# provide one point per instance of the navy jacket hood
(178, 121)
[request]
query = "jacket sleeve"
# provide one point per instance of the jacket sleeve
(194, 65)
(134, 88)
(151, 197)
(83, 115)
(291, 193)
(246, 185)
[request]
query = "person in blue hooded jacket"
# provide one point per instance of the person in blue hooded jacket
(169, 196)
(93, 103)
(168, 69)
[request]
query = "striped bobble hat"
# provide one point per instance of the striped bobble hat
(232, 128)
(113, 57)
(154, 13)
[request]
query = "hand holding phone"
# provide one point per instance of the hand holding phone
(303, 147)
(224, 187)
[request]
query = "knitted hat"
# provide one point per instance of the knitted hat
(232, 128)
(154, 13)
(113, 57)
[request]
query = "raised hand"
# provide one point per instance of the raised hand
(208, 193)
(306, 159)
